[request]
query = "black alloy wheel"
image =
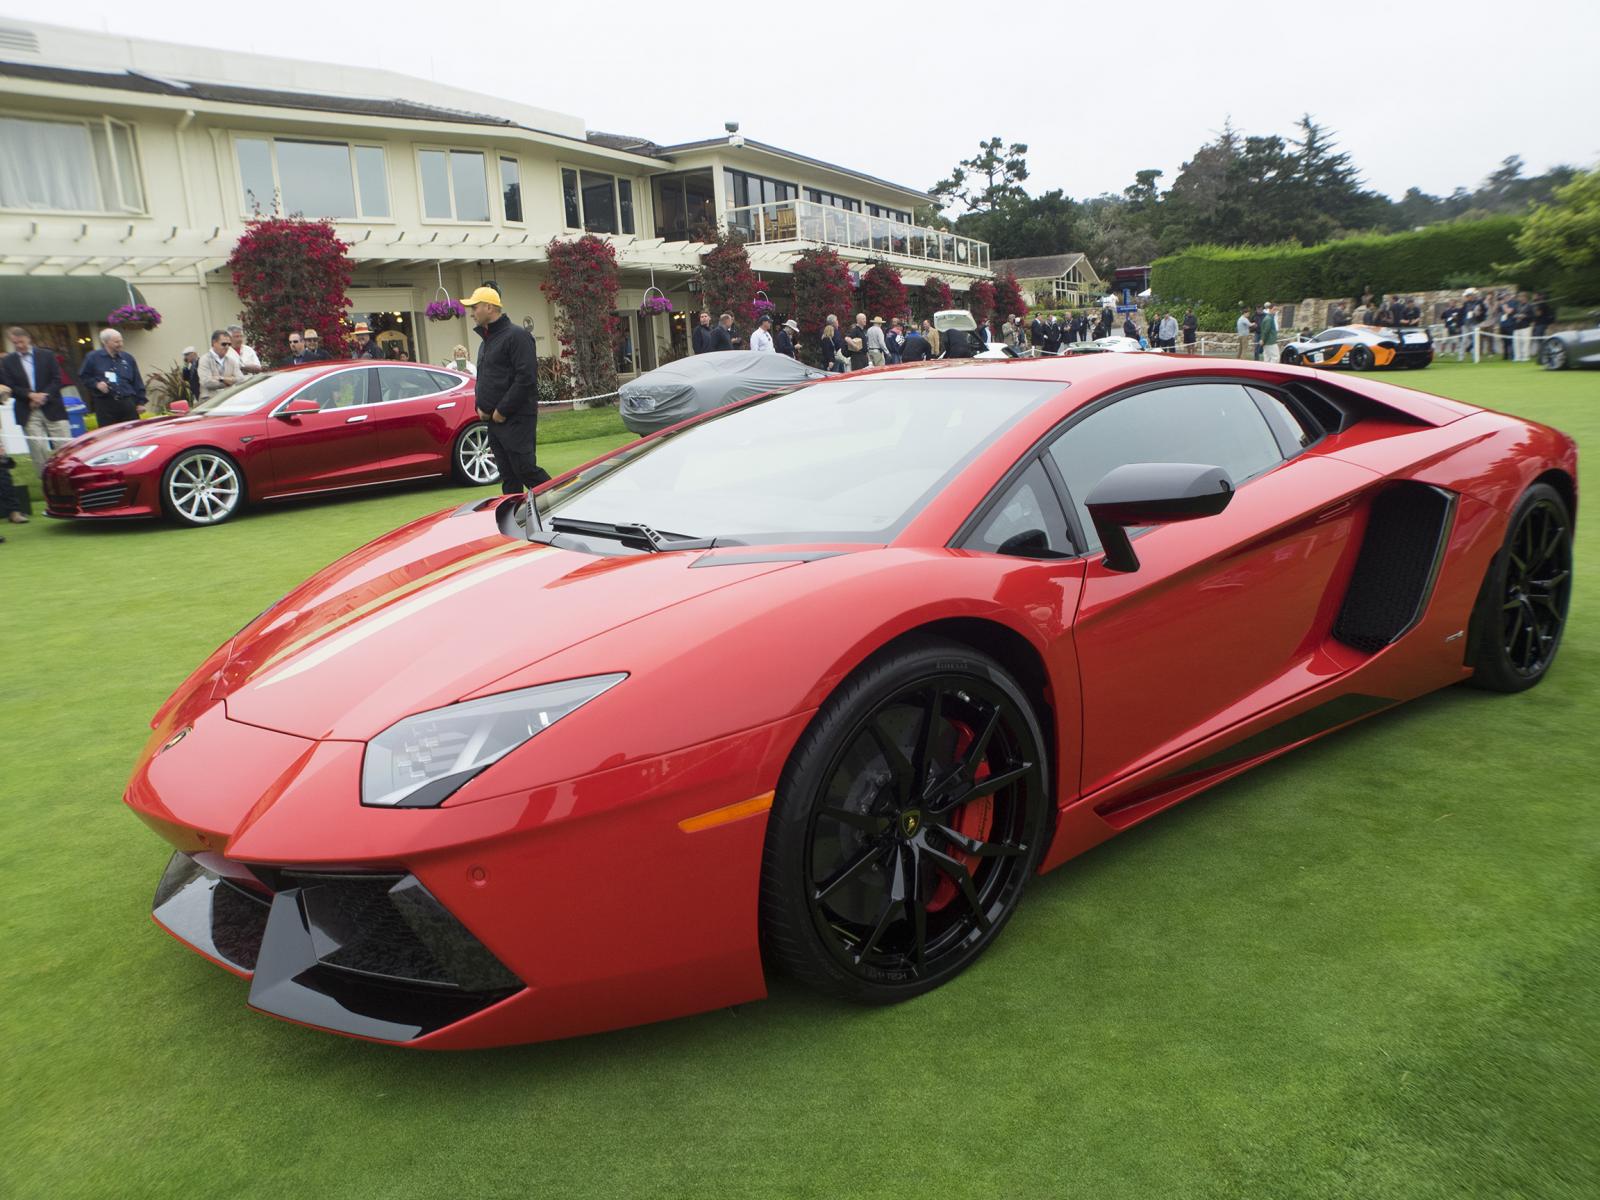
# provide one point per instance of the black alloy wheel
(908, 820)
(1522, 609)
(1553, 356)
(1291, 356)
(1361, 358)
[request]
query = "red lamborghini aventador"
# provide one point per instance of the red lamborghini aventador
(837, 672)
(316, 428)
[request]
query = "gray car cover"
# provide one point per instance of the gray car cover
(691, 386)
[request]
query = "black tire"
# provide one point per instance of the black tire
(899, 845)
(1361, 358)
(1291, 356)
(1553, 355)
(471, 463)
(201, 487)
(1521, 611)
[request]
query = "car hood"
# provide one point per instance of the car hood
(142, 432)
(434, 612)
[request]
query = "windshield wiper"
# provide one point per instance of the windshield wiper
(637, 535)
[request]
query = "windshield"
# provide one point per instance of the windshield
(250, 395)
(851, 461)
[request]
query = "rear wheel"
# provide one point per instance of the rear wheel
(473, 462)
(1553, 357)
(907, 822)
(1522, 608)
(1361, 358)
(202, 487)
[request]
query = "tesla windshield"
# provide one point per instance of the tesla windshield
(251, 394)
(851, 461)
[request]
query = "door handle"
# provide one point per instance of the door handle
(353, 420)
(447, 404)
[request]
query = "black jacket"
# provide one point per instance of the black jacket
(311, 356)
(916, 348)
(191, 377)
(46, 379)
(372, 351)
(783, 343)
(721, 339)
(702, 339)
(508, 371)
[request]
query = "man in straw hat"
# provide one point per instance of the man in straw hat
(365, 346)
(508, 392)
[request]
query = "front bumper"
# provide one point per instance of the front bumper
(72, 489)
(553, 911)
(368, 954)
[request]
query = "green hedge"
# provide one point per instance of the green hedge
(1436, 257)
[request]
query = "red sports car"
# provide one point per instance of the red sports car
(315, 428)
(837, 672)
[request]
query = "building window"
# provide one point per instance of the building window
(894, 214)
(69, 166)
(744, 189)
(833, 198)
(511, 189)
(596, 202)
(454, 186)
(313, 179)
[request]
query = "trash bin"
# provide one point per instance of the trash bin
(76, 411)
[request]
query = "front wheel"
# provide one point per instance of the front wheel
(1522, 608)
(906, 824)
(473, 463)
(1553, 357)
(1290, 356)
(202, 487)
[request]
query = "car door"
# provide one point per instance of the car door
(336, 446)
(417, 413)
(1225, 615)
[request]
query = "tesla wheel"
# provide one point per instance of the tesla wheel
(907, 821)
(1290, 356)
(1361, 358)
(202, 487)
(1522, 608)
(1553, 357)
(473, 463)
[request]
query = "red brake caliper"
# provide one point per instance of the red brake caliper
(975, 819)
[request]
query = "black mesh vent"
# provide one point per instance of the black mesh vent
(104, 497)
(1396, 567)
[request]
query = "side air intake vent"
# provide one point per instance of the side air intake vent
(12, 38)
(1397, 566)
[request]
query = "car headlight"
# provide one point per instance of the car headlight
(421, 761)
(120, 458)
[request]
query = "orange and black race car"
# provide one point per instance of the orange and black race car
(1362, 347)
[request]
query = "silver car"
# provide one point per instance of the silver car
(1571, 348)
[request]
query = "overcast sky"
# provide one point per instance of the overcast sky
(1426, 95)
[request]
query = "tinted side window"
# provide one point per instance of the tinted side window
(1028, 507)
(1291, 428)
(446, 381)
(1216, 424)
(337, 391)
(405, 383)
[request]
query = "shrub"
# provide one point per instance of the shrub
(1008, 298)
(980, 300)
(883, 294)
(583, 286)
(290, 275)
(1423, 260)
(933, 296)
(821, 286)
(726, 280)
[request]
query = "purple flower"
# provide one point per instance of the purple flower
(654, 305)
(134, 314)
(444, 310)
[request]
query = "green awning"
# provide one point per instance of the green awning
(50, 298)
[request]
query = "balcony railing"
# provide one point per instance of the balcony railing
(806, 221)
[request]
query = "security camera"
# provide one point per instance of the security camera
(731, 126)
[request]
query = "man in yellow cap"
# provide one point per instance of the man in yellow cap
(508, 392)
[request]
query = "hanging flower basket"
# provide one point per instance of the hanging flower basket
(762, 308)
(655, 306)
(444, 310)
(133, 316)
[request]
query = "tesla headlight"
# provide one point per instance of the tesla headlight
(420, 761)
(120, 458)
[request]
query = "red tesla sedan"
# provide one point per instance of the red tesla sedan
(819, 681)
(315, 428)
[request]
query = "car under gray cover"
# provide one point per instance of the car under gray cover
(683, 389)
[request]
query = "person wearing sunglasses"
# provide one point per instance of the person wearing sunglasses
(217, 369)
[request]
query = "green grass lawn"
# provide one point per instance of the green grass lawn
(1370, 969)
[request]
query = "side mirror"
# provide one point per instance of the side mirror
(1152, 494)
(298, 407)
(178, 407)
(1030, 543)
